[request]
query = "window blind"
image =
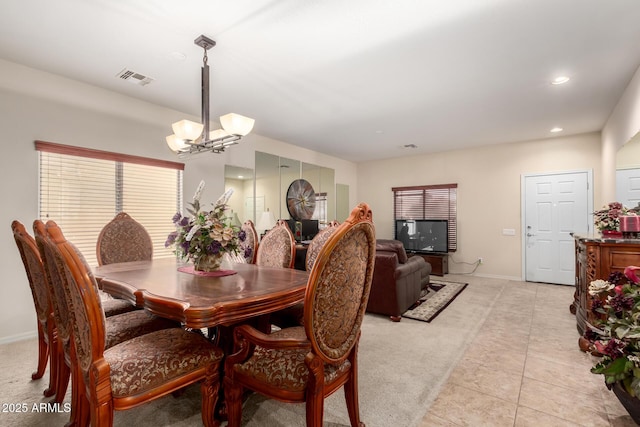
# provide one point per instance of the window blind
(429, 202)
(82, 190)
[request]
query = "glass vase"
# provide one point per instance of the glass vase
(208, 262)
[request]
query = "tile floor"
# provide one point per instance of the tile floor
(524, 369)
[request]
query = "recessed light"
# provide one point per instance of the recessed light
(556, 130)
(560, 80)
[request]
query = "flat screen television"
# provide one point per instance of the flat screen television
(423, 235)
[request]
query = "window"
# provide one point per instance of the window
(83, 189)
(428, 202)
(320, 212)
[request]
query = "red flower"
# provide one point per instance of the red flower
(630, 272)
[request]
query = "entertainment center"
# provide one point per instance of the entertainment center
(427, 238)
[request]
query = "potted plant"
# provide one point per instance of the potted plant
(616, 335)
(205, 236)
(607, 219)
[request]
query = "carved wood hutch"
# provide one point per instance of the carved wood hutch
(596, 258)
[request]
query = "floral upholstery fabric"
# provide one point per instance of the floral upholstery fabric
(35, 271)
(346, 277)
(113, 307)
(276, 247)
(250, 244)
(126, 326)
(123, 240)
(285, 368)
(317, 243)
(148, 361)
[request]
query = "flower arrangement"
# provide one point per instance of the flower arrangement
(608, 218)
(616, 336)
(206, 234)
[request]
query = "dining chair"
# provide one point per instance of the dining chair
(250, 243)
(277, 248)
(294, 315)
(119, 327)
(47, 340)
(123, 239)
(308, 363)
(135, 371)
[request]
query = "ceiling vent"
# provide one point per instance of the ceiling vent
(134, 77)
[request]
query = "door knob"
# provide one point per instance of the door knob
(530, 234)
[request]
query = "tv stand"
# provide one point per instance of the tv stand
(439, 262)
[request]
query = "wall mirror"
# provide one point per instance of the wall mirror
(628, 173)
(242, 202)
(274, 175)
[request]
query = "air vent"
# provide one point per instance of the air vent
(134, 77)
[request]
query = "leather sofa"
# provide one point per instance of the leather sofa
(397, 279)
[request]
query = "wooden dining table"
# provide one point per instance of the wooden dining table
(203, 301)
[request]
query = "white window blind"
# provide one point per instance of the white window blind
(82, 190)
(429, 202)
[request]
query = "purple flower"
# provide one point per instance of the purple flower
(619, 303)
(214, 247)
(247, 252)
(242, 235)
(595, 305)
(184, 221)
(614, 348)
(171, 239)
(176, 217)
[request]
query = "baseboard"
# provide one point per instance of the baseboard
(19, 337)
(497, 276)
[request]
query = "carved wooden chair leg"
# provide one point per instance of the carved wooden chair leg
(43, 355)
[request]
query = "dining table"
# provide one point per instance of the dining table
(244, 292)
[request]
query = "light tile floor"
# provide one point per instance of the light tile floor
(524, 369)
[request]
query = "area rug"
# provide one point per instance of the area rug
(434, 299)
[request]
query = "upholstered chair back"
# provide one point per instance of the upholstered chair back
(277, 248)
(339, 285)
(318, 241)
(35, 272)
(87, 317)
(250, 244)
(123, 239)
(47, 341)
(59, 299)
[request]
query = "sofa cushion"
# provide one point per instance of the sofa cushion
(392, 246)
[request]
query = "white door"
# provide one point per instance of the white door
(555, 205)
(628, 187)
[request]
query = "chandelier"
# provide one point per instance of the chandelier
(191, 137)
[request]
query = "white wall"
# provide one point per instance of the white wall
(488, 181)
(35, 105)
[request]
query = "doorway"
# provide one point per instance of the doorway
(554, 207)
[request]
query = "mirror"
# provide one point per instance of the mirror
(274, 175)
(342, 202)
(242, 202)
(628, 173)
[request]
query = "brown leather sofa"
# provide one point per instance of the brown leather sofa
(397, 279)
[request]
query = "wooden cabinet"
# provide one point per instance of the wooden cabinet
(439, 263)
(597, 258)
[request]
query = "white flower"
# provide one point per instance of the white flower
(224, 198)
(192, 232)
(198, 194)
(598, 286)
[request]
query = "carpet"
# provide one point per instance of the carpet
(401, 370)
(434, 299)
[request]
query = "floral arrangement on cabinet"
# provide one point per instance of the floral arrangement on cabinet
(608, 218)
(616, 335)
(205, 236)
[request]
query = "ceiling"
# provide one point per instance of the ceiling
(357, 79)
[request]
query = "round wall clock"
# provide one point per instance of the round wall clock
(301, 200)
